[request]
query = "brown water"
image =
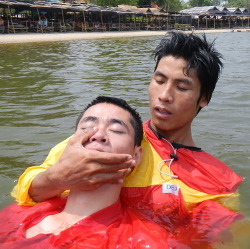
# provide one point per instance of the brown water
(45, 85)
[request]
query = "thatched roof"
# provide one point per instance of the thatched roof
(145, 11)
(245, 11)
(53, 6)
(215, 10)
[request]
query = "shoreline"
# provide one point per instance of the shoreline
(48, 37)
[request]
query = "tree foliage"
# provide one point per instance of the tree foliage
(198, 3)
(238, 3)
(115, 3)
(228, 3)
(143, 3)
(169, 5)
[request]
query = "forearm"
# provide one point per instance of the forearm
(27, 185)
(43, 188)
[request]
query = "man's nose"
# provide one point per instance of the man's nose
(166, 94)
(99, 136)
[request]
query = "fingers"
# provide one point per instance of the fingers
(104, 158)
(109, 158)
(82, 136)
(87, 134)
(112, 168)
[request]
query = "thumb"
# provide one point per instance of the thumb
(82, 136)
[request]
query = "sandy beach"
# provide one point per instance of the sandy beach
(47, 37)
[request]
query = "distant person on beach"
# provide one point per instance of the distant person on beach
(2, 28)
(43, 21)
(1, 22)
(88, 219)
(173, 169)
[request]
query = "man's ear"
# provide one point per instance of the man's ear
(137, 154)
(203, 102)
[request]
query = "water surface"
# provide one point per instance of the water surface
(45, 85)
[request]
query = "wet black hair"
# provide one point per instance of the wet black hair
(135, 120)
(200, 55)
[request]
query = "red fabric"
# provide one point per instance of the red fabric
(168, 210)
(208, 220)
(198, 229)
(197, 169)
(163, 221)
(110, 228)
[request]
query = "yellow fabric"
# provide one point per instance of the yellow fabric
(147, 174)
(143, 175)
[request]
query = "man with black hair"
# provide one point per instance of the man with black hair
(94, 218)
(173, 169)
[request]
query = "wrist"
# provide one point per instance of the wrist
(51, 178)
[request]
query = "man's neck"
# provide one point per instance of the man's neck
(81, 204)
(181, 136)
(78, 206)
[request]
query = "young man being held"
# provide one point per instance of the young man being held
(95, 218)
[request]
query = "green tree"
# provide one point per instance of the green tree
(198, 3)
(238, 3)
(115, 3)
(142, 3)
(169, 5)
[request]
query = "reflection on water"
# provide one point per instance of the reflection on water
(44, 86)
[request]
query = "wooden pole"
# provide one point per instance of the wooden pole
(167, 21)
(63, 18)
(84, 21)
(102, 20)
(11, 21)
(135, 21)
(147, 21)
(119, 22)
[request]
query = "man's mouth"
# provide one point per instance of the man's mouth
(95, 146)
(162, 113)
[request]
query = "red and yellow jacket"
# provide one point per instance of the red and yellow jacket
(200, 177)
(198, 193)
(196, 175)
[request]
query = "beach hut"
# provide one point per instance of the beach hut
(216, 17)
(53, 15)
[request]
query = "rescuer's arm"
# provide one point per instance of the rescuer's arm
(71, 167)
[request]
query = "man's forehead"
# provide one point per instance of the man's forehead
(184, 66)
(107, 111)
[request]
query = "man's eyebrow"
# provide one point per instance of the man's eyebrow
(89, 118)
(185, 81)
(158, 73)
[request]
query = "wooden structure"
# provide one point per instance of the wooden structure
(56, 16)
(213, 17)
(64, 17)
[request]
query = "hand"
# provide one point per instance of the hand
(82, 169)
